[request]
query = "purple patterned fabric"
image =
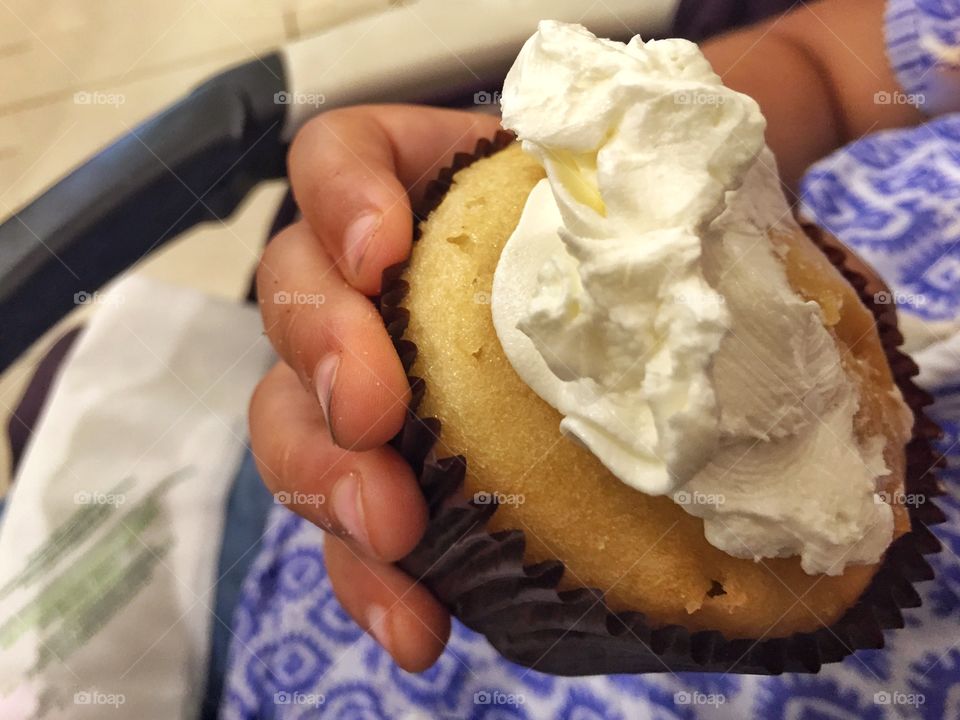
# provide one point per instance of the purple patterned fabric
(297, 655)
(923, 44)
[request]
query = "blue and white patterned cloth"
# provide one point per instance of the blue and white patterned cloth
(895, 198)
(923, 44)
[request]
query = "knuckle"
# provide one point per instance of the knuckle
(270, 267)
(278, 247)
(289, 461)
(316, 130)
(301, 338)
(279, 460)
(273, 445)
(257, 398)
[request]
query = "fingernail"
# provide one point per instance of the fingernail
(323, 378)
(348, 507)
(357, 238)
(377, 625)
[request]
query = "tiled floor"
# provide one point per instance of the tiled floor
(147, 53)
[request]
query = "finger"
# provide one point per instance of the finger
(351, 171)
(371, 497)
(399, 613)
(334, 338)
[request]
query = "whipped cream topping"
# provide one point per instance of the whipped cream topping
(642, 296)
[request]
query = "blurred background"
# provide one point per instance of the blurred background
(76, 75)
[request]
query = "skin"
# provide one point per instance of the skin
(321, 416)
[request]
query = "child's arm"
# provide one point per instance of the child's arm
(816, 73)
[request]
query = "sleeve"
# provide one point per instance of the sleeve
(923, 46)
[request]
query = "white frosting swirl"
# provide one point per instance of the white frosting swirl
(641, 296)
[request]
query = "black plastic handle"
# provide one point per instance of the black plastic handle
(192, 163)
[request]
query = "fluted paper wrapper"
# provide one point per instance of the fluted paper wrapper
(481, 576)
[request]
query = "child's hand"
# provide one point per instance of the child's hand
(320, 418)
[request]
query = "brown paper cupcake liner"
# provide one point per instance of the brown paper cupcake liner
(481, 576)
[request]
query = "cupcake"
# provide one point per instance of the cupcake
(659, 424)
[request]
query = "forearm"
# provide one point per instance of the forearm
(816, 73)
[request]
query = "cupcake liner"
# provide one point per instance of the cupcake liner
(481, 576)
